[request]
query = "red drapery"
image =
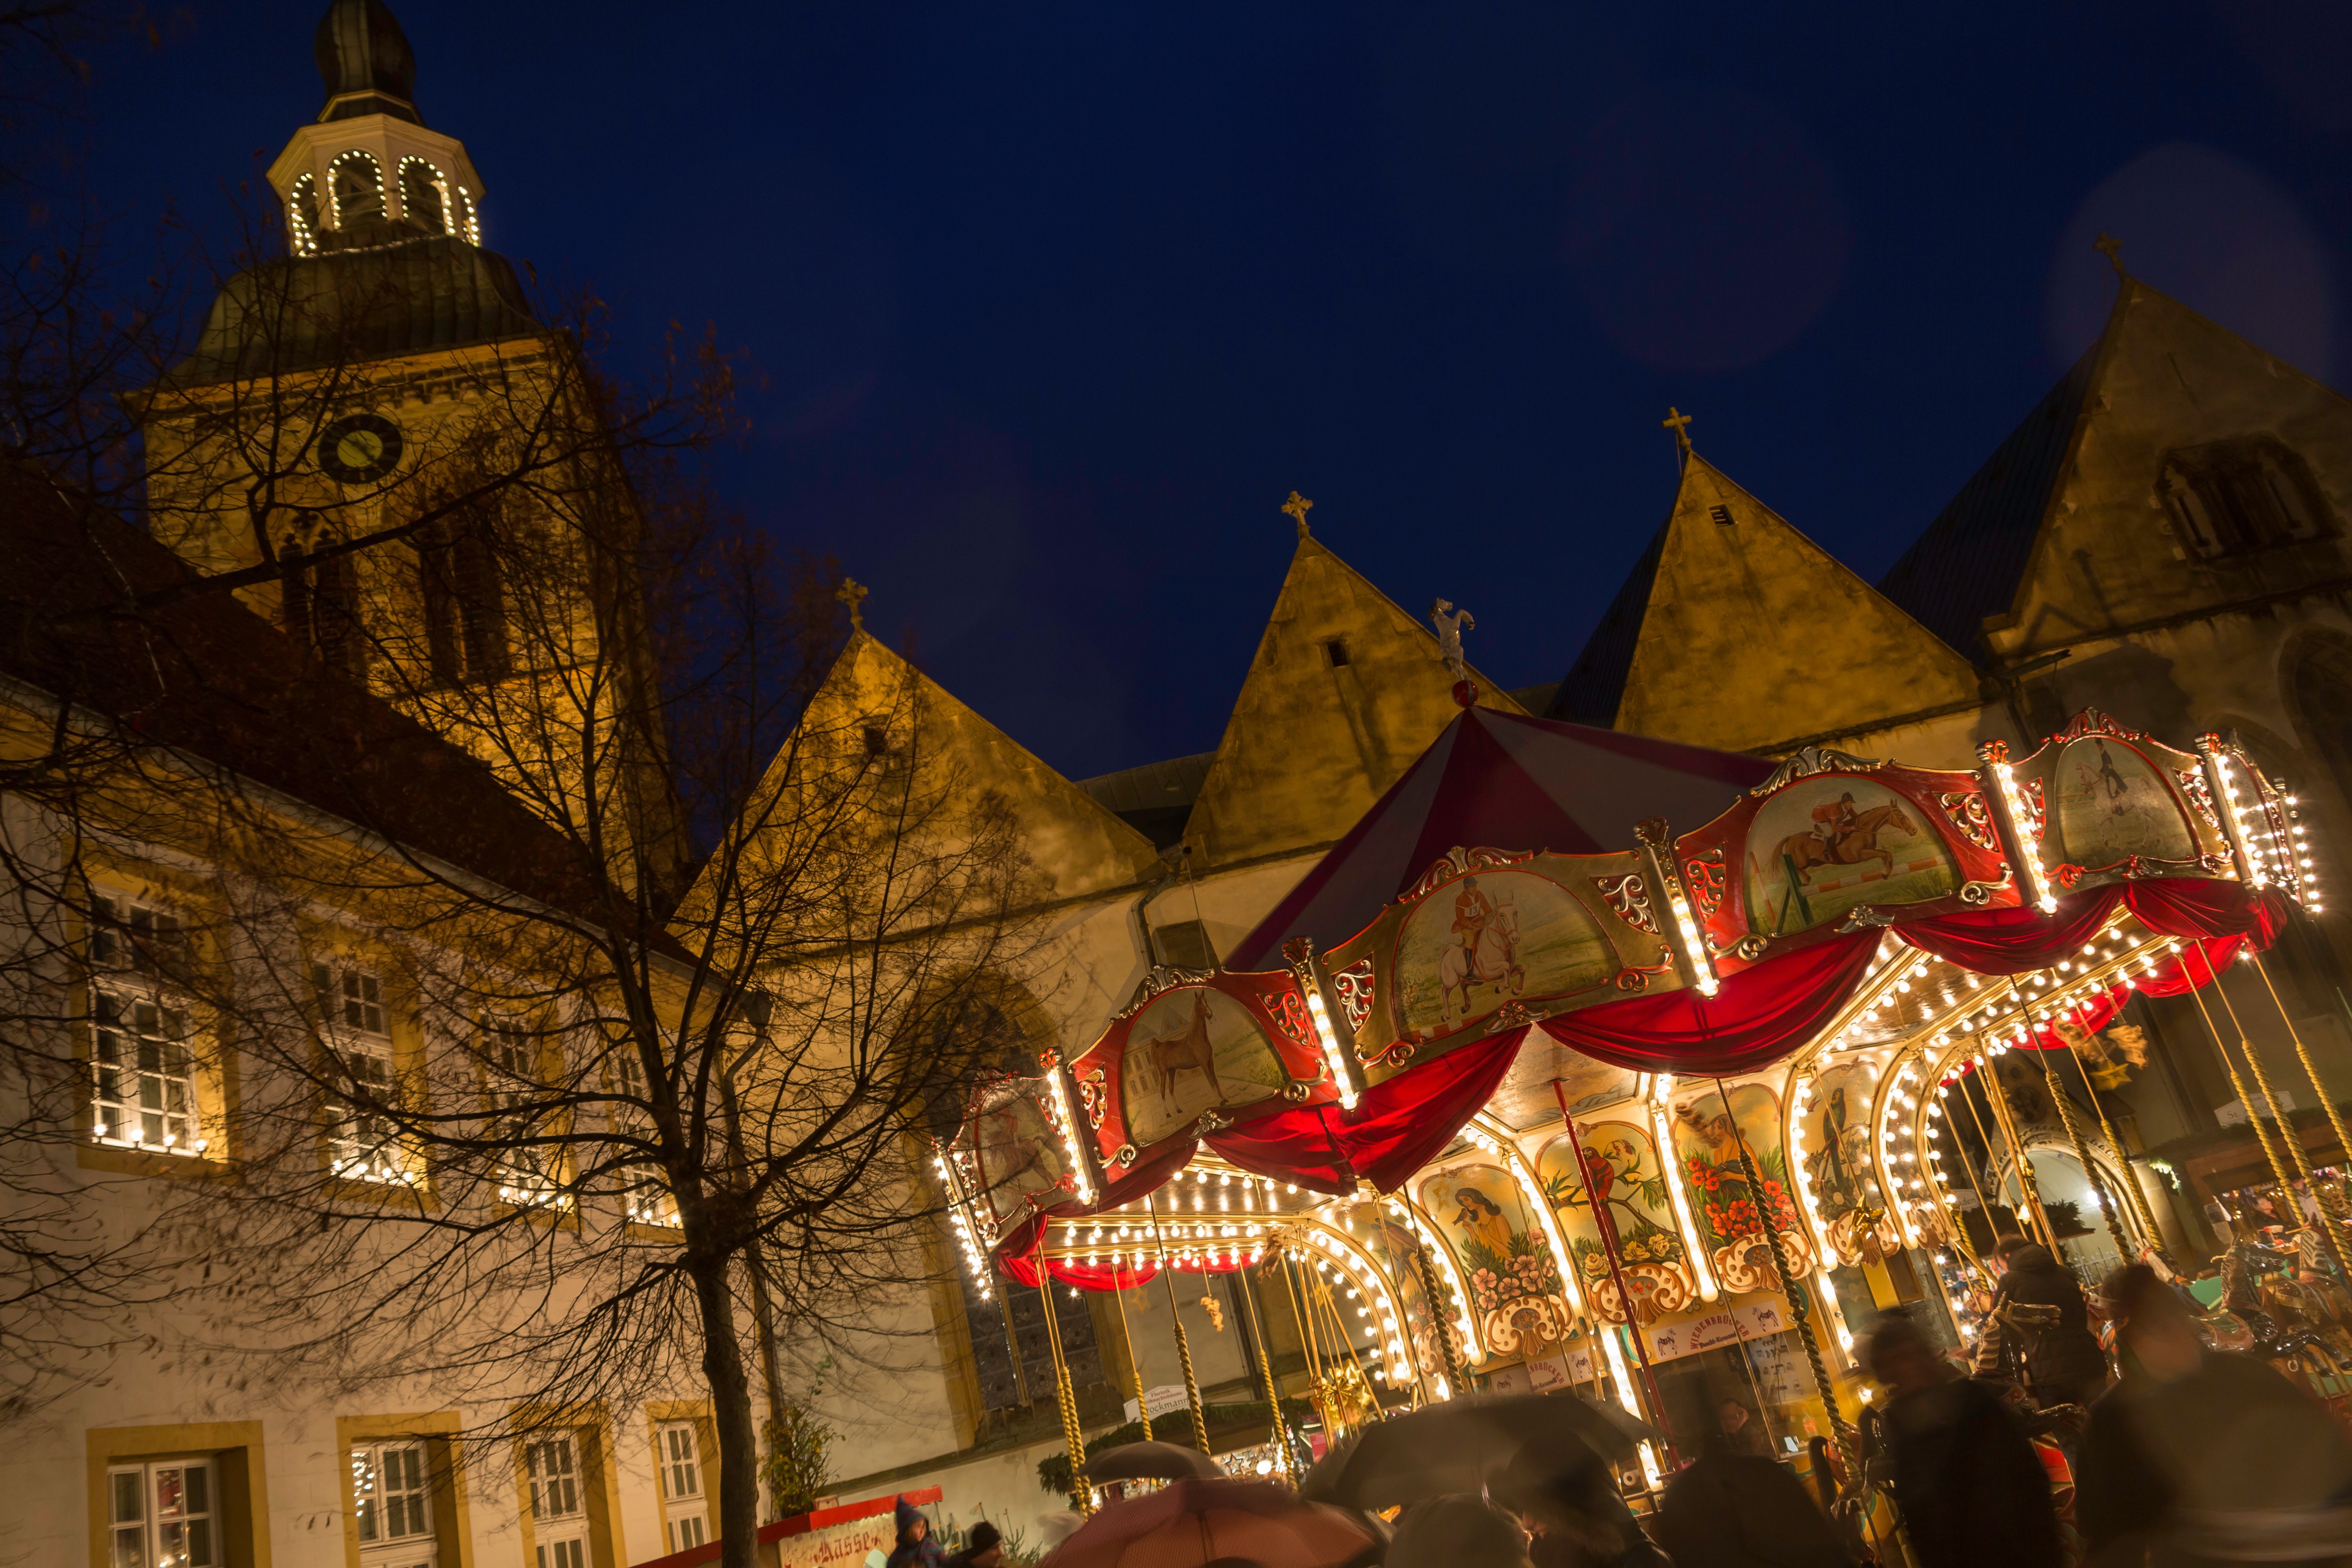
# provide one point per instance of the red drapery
(1758, 1016)
(1396, 1128)
(2020, 941)
(1022, 1270)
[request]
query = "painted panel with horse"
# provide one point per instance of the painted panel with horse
(1722, 1200)
(1488, 941)
(1820, 848)
(1620, 1165)
(1196, 1051)
(1515, 1290)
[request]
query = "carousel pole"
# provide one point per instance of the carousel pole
(1604, 1223)
(1458, 1380)
(1063, 1395)
(1997, 1097)
(2082, 1157)
(2137, 1199)
(2311, 1071)
(1265, 1375)
(2238, 1085)
(1306, 1336)
(1797, 1306)
(1175, 1315)
(1992, 1147)
(2285, 1129)
(1134, 1362)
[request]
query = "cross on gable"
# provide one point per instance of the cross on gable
(852, 593)
(1679, 423)
(2108, 245)
(1296, 508)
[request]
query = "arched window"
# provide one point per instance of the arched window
(319, 598)
(302, 216)
(465, 598)
(2231, 497)
(421, 199)
(355, 180)
(470, 217)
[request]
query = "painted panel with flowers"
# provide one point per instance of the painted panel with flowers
(1724, 1204)
(1621, 1164)
(1505, 1264)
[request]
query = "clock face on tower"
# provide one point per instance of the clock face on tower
(358, 448)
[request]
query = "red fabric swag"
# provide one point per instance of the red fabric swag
(1758, 1015)
(1396, 1128)
(1099, 1277)
(2020, 941)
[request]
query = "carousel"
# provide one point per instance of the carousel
(1596, 1063)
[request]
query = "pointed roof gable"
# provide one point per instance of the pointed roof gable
(1596, 681)
(1967, 565)
(1080, 845)
(1345, 691)
(1751, 638)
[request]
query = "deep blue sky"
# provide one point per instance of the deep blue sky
(1057, 303)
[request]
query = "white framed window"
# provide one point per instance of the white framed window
(361, 1144)
(162, 1515)
(392, 1504)
(527, 1174)
(645, 1199)
(559, 1521)
(678, 1454)
(142, 1068)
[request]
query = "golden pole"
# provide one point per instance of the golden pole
(1063, 1395)
(2137, 1198)
(2311, 1070)
(1306, 1334)
(1797, 1306)
(1175, 1315)
(1998, 1097)
(1265, 1372)
(2082, 1157)
(1134, 1362)
(2237, 1087)
(2285, 1128)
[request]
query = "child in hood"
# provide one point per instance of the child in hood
(916, 1549)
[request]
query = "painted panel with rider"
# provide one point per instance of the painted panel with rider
(2106, 803)
(1488, 941)
(1832, 843)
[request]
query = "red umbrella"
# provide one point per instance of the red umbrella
(1195, 1523)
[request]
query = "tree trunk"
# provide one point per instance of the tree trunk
(730, 1410)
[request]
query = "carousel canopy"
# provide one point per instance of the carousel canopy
(1499, 778)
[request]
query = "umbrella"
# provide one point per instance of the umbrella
(1195, 1523)
(1458, 1445)
(1150, 1462)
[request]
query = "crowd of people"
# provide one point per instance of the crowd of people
(2176, 1456)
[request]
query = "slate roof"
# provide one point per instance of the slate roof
(1968, 563)
(208, 677)
(310, 312)
(1595, 683)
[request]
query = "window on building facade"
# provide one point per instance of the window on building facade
(644, 1200)
(1185, 944)
(680, 1462)
(2235, 498)
(302, 209)
(356, 181)
(142, 1065)
(421, 199)
(527, 1172)
(559, 1521)
(392, 1504)
(351, 1002)
(162, 1515)
(319, 605)
(464, 601)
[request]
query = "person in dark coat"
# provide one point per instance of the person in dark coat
(1572, 1503)
(2197, 1458)
(1458, 1531)
(916, 1549)
(2063, 1364)
(1971, 1491)
(983, 1547)
(1734, 1507)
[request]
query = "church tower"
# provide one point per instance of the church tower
(386, 451)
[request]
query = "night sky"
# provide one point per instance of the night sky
(1057, 303)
